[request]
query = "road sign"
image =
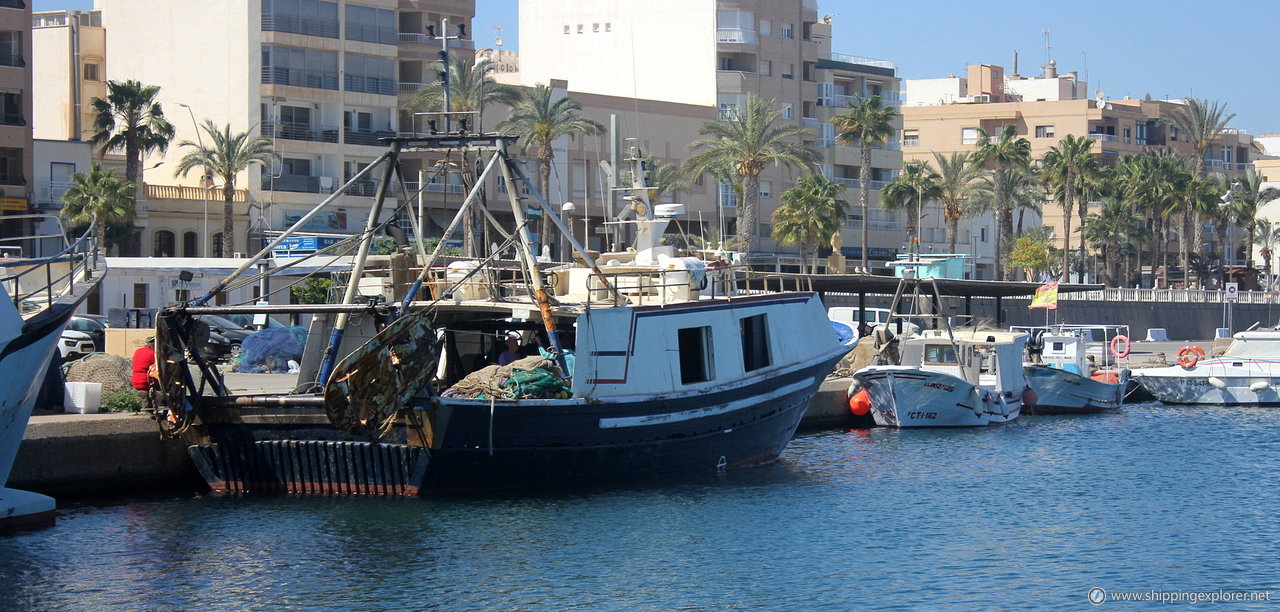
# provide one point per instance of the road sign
(1233, 292)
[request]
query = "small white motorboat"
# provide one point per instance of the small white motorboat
(1247, 374)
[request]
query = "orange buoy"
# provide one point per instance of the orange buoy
(1029, 397)
(860, 403)
(1189, 356)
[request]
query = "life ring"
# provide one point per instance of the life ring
(1117, 341)
(1189, 356)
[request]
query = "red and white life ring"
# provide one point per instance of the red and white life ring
(1118, 341)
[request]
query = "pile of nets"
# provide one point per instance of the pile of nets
(113, 372)
(269, 351)
(529, 378)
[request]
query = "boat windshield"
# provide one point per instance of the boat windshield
(1253, 348)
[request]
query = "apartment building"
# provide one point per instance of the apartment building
(322, 79)
(16, 165)
(665, 51)
(945, 115)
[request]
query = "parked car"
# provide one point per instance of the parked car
(246, 321)
(75, 344)
(218, 348)
(228, 329)
(95, 326)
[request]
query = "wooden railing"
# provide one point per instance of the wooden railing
(179, 192)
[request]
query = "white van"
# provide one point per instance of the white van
(876, 317)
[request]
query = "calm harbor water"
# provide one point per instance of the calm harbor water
(1031, 514)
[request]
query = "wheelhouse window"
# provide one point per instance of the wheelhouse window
(939, 353)
(755, 343)
(695, 354)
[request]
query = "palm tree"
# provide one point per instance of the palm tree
(917, 183)
(539, 121)
(1063, 164)
(1111, 227)
(869, 122)
(471, 89)
(1005, 152)
(98, 196)
(1247, 198)
(1204, 198)
(1023, 191)
(130, 120)
(810, 213)
(748, 140)
(1200, 122)
(227, 156)
(956, 183)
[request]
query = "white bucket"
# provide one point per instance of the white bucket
(83, 397)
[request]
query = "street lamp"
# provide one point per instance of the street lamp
(566, 213)
(205, 180)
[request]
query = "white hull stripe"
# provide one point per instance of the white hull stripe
(686, 415)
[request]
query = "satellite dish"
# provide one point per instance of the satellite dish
(1099, 98)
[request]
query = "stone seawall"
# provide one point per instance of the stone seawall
(1186, 321)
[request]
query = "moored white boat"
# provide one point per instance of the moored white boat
(37, 297)
(1247, 374)
(968, 378)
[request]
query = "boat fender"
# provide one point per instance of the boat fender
(1259, 386)
(1029, 397)
(1189, 356)
(1004, 406)
(1217, 382)
(1116, 343)
(860, 403)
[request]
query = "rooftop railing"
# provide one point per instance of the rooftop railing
(863, 61)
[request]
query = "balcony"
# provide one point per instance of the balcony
(366, 138)
(295, 183)
(300, 131)
(12, 119)
(1243, 167)
(306, 26)
(1104, 137)
(862, 61)
(853, 183)
(12, 59)
(365, 188)
(736, 36)
(367, 84)
(315, 79)
(1217, 163)
(13, 4)
(410, 87)
(415, 38)
(811, 123)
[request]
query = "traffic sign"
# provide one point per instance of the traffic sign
(1233, 292)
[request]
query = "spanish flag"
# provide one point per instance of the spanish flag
(1046, 297)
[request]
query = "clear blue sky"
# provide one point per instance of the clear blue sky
(1222, 50)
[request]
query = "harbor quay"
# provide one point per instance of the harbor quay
(103, 454)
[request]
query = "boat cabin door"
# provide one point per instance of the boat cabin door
(1064, 352)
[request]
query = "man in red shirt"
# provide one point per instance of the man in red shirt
(143, 359)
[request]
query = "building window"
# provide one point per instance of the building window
(786, 30)
(11, 108)
(982, 234)
(910, 138)
(969, 136)
(1173, 132)
(369, 74)
(91, 72)
(1044, 131)
(766, 27)
(755, 343)
(580, 29)
(595, 28)
(307, 17)
(694, 345)
(368, 24)
(163, 244)
(300, 67)
(788, 71)
(11, 167)
(766, 189)
(11, 48)
(567, 29)
(764, 229)
(139, 295)
(766, 68)
(787, 112)
(190, 245)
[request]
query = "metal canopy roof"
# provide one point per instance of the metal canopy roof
(867, 283)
